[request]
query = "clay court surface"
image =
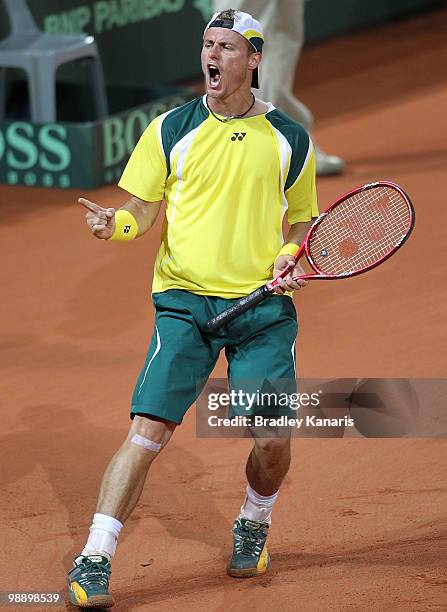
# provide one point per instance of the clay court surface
(361, 524)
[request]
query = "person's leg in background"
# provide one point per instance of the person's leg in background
(283, 23)
(283, 26)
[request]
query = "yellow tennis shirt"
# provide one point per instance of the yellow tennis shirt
(227, 187)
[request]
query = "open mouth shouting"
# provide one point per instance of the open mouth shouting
(214, 76)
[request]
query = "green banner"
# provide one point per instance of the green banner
(80, 155)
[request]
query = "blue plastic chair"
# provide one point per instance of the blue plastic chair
(39, 54)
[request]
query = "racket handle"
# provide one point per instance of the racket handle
(237, 309)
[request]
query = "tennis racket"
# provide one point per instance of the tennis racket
(356, 233)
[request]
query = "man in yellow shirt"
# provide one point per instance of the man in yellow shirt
(229, 167)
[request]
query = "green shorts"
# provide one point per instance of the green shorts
(259, 345)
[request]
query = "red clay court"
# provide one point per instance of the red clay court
(360, 524)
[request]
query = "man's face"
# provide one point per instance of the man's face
(225, 61)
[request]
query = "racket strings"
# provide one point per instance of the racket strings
(360, 231)
(362, 240)
(383, 236)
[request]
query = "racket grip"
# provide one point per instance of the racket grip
(237, 309)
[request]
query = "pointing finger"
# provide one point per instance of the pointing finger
(90, 205)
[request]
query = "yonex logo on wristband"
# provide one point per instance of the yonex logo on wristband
(238, 136)
(126, 226)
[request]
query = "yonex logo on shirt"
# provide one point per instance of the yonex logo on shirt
(126, 229)
(238, 135)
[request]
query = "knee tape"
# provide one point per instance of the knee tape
(145, 443)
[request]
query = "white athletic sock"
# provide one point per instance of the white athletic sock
(258, 507)
(103, 536)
